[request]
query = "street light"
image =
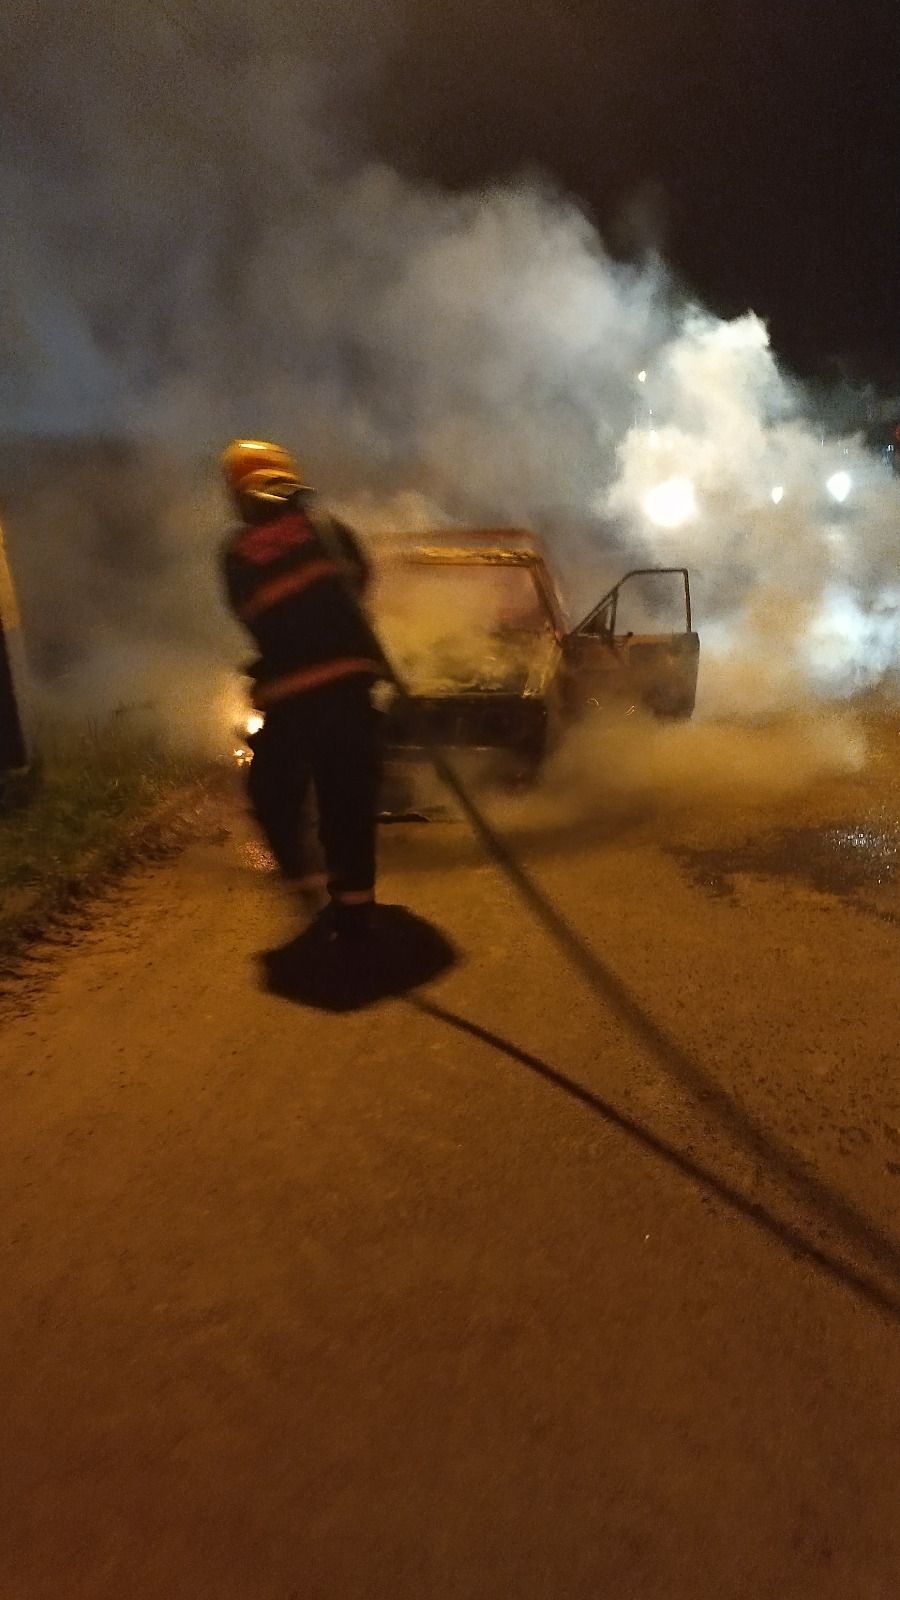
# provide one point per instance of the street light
(672, 503)
(839, 486)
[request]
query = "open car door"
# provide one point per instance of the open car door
(640, 666)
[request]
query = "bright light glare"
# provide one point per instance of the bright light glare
(670, 504)
(839, 486)
(642, 377)
(778, 494)
(254, 722)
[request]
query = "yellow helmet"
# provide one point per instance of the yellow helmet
(260, 469)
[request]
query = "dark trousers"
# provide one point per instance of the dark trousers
(327, 738)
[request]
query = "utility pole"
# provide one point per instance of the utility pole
(14, 751)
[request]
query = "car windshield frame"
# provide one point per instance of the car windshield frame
(493, 556)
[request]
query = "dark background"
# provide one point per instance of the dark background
(755, 141)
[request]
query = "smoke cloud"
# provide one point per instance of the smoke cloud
(199, 244)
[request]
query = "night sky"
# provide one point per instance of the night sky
(756, 141)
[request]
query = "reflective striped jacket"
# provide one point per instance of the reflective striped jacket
(287, 581)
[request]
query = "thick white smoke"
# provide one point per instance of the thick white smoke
(191, 255)
(793, 540)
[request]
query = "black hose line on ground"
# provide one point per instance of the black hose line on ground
(803, 1185)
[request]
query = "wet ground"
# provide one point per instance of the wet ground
(475, 1268)
(858, 861)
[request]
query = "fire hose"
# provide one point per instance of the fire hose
(494, 844)
(769, 1153)
(502, 854)
(803, 1187)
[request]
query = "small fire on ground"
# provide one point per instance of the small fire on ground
(243, 754)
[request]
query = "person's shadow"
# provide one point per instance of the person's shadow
(401, 952)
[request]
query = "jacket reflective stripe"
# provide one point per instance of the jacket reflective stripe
(270, 540)
(267, 694)
(269, 594)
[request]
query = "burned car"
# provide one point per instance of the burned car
(476, 629)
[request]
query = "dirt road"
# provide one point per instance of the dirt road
(501, 1288)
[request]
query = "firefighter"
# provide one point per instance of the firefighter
(295, 577)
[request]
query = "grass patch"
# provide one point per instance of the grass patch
(95, 789)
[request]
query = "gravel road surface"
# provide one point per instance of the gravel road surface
(504, 1287)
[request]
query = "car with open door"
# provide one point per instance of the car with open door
(475, 626)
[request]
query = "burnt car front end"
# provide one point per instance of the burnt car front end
(478, 718)
(475, 631)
